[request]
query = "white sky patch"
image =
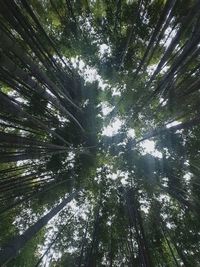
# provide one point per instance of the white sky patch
(149, 147)
(115, 175)
(152, 68)
(131, 133)
(164, 69)
(168, 39)
(165, 198)
(86, 103)
(104, 50)
(21, 100)
(62, 118)
(145, 205)
(49, 92)
(115, 91)
(87, 26)
(187, 177)
(162, 101)
(124, 179)
(113, 127)
(90, 74)
(170, 225)
(106, 108)
(102, 84)
(174, 123)
(22, 162)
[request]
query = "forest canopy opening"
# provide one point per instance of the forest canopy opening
(99, 133)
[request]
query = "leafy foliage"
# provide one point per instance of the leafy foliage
(100, 97)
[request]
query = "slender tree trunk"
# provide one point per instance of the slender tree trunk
(178, 197)
(16, 139)
(35, 194)
(187, 21)
(111, 253)
(24, 27)
(13, 108)
(181, 255)
(11, 249)
(83, 244)
(39, 26)
(156, 46)
(136, 220)
(25, 180)
(168, 6)
(170, 248)
(9, 44)
(50, 245)
(23, 76)
(91, 257)
(14, 169)
(25, 186)
(185, 125)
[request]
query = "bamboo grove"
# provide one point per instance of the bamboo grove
(99, 133)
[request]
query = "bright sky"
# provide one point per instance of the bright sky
(113, 127)
(148, 146)
(106, 108)
(90, 74)
(52, 230)
(104, 49)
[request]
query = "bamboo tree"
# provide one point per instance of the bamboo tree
(151, 78)
(9, 44)
(14, 108)
(168, 6)
(184, 125)
(11, 249)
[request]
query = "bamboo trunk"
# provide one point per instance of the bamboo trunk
(11, 249)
